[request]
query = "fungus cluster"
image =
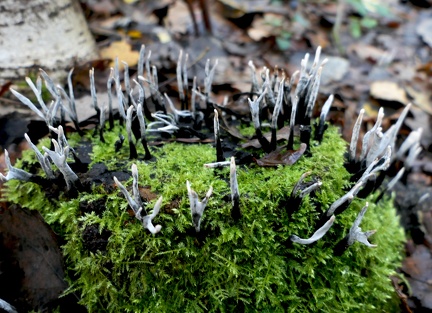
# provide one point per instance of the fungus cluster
(277, 226)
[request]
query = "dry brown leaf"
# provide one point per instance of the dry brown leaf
(277, 157)
(261, 27)
(388, 91)
(421, 98)
(179, 19)
(418, 267)
(281, 134)
(123, 51)
(334, 70)
(367, 52)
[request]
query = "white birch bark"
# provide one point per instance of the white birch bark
(48, 34)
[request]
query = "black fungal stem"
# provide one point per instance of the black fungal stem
(305, 136)
(119, 143)
(109, 91)
(290, 145)
(132, 149)
(235, 195)
(218, 143)
(320, 129)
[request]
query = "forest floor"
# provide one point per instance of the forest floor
(379, 55)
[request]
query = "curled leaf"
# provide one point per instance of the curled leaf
(278, 157)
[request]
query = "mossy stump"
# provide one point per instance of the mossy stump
(248, 265)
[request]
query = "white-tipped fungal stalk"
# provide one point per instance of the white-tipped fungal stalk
(294, 102)
(317, 235)
(254, 80)
(303, 79)
(121, 102)
(193, 96)
(135, 189)
(275, 115)
(218, 143)
(319, 132)
(413, 153)
(313, 93)
(59, 157)
(136, 205)
(165, 123)
(53, 90)
(132, 203)
(269, 96)
(395, 179)
(182, 78)
(42, 160)
(348, 197)
(147, 221)
(389, 137)
(132, 149)
(310, 189)
(47, 114)
(37, 90)
(141, 61)
(143, 131)
(355, 136)
(196, 206)
(377, 165)
(177, 113)
(355, 232)
(127, 82)
(254, 106)
(217, 164)
(370, 144)
(235, 195)
(209, 76)
(93, 92)
(316, 61)
(412, 139)
(7, 307)
(110, 98)
(13, 172)
(61, 138)
(278, 105)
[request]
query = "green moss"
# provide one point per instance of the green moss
(249, 265)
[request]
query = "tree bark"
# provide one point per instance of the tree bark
(48, 34)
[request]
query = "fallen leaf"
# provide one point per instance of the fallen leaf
(123, 51)
(281, 134)
(134, 34)
(278, 157)
(418, 267)
(367, 52)
(388, 91)
(334, 70)
(422, 99)
(427, 68)
(262, 27)
(5, 88)
(179, 19)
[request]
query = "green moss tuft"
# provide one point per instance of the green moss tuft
(230, 267)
